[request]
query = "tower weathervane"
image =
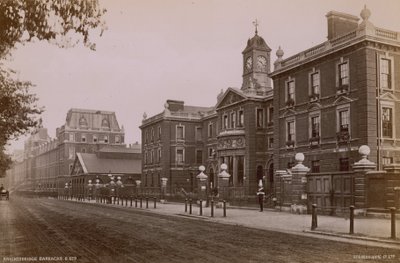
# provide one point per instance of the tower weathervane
(255, 23)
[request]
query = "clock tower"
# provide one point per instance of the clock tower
(256, 65)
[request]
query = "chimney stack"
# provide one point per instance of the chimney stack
(340, 24)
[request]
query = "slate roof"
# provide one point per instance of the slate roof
(92, 164)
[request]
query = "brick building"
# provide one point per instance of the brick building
(236, 131)
(338, 95)
(45, 159)
(327, 101)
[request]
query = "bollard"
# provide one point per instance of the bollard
(393, 222)
(190, 206)
(201, 207)
(155, 202)
(212, 208)
(352, 219)
(314, 222)
(224, 202)
(147, 202)
(186, 205)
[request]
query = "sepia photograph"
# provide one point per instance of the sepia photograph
(199, 131)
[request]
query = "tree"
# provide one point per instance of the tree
(61, 22)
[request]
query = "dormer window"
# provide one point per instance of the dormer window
(105, 123)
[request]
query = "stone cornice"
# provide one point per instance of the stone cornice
(378, 35)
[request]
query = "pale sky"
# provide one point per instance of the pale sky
(156, 50)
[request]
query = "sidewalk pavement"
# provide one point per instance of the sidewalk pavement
(368, 231)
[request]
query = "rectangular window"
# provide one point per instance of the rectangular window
(241, 118)
(152, 156)
(159, 132)
(315, 84)
(344, 164)
(271, 143)
(233, 120)
(315, 123)
(387, 160)
(387, 122)
(159, 154)
(290, 131)
(117, 139)
(180, 156)
(71, 154)
(270, 115)
(180, 133)
(199, 132)
(95, 138)
(344, 120)
(315, 166)
(152, 134)
(83, 138)
(290, 91)
(386, 74)
(210, 130)
(260, 118)
(71, 137)
(105, 139)
(343, 74)
(225, 121)
(199, 157)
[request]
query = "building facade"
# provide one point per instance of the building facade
(326, 102)
(339, 95)
(236, 131)
(45, 159)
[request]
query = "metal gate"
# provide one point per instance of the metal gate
(333, 193)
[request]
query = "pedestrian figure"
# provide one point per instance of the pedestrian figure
(261, 194)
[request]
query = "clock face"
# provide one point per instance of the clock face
(249, 63)
(261, 63)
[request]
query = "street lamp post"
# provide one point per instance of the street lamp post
(202, 183)
(96, 188)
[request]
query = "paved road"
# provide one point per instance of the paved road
(48, 230)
